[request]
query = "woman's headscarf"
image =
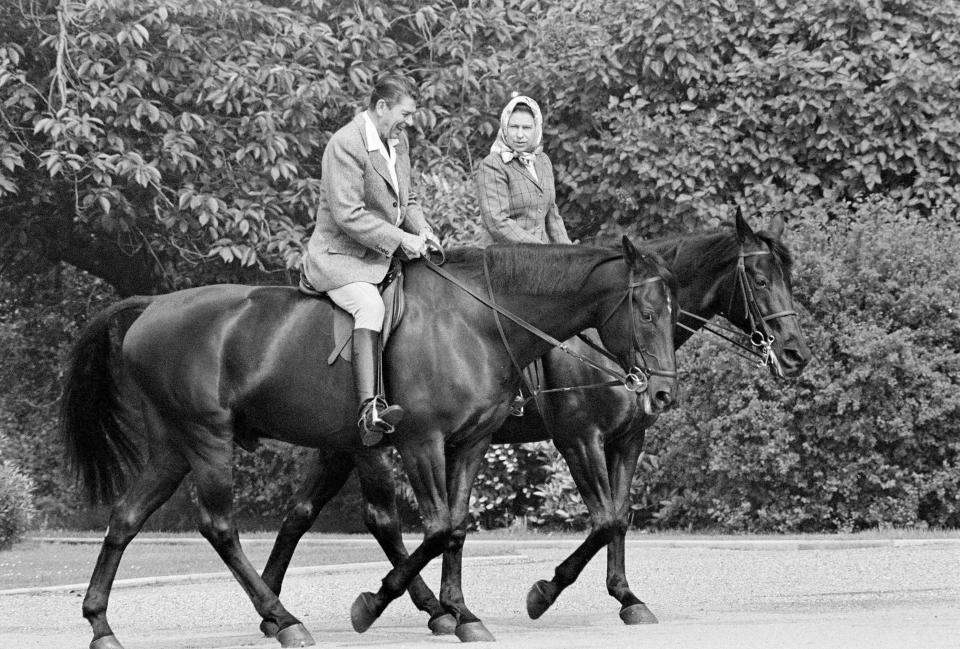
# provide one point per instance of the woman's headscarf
(500, 145)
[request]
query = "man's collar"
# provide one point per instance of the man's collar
(374, 143)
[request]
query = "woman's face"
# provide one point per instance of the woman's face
(520, 128)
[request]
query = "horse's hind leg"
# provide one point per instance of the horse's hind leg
(328, 473)
(622, 457)
(213, 476)
(163, 473)
(383, 521)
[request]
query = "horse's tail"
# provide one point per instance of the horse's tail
(91, 423)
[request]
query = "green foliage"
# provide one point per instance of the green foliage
(664, 113)
(40, 317)
(192, 130)
(507, 488)
(16, 503)
(195, 128)
(868, 435)
(181, 139)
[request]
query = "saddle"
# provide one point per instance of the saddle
(391, 289)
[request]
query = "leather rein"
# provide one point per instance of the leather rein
(635, 380)
(761, 339)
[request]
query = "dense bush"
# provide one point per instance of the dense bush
(661, 113)
(868, 436)
(41, 310)
(16, 504)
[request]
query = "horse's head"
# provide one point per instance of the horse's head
(638, 328)
(757, 297)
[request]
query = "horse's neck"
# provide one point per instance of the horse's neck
(695, 286)
(559, 316)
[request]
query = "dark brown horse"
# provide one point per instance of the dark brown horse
(741, 275)
(205, 367)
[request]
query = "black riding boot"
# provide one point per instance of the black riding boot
(375, 417)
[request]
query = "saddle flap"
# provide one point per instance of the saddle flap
(392, 292)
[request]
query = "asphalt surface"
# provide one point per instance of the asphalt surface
(706, 594)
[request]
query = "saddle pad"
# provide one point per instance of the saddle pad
(343, 322)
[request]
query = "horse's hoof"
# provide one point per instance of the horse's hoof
(541, 596)
(638, 614)
(444, 624)
(363, 613)
(474, 632)
(269, 628)
(295, 635)
(106, 642)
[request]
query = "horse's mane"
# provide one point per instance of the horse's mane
(712, 251)
(532, 269)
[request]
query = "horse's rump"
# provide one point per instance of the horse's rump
(249, 357)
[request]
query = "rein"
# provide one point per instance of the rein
(635, 380)
(761, 340)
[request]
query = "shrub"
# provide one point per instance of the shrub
(16, 504)
(507, 489)
(868, 435)
(660, 114)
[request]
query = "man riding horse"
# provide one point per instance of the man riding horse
(367, 213)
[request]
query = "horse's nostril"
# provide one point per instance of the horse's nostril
(792, 358)
(664, 399)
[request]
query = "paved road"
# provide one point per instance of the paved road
(714, 596)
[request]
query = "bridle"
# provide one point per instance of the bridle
(636, 380)
(760, 337)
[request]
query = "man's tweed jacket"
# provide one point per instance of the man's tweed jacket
(355, 234)
(516, 208)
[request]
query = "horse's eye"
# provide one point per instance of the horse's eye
(646, 316)
(761, 282)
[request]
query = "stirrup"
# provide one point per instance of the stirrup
(516, 406)
(377, 419)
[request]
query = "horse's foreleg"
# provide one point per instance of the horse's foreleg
(424, 464)
(214, 481)
(152, 488)
(622, 456)
(461, 472)
(584, 456)
(328, 473)
(383, 521)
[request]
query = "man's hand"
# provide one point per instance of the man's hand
(413, 245)
(433, 243)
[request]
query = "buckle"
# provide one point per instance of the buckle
(635, 381)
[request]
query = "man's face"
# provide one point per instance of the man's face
(391, 120)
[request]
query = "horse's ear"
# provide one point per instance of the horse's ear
(630, 252)
(744, 233)
(775, 229)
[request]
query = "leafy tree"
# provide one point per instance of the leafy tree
(143, 140)
(662, 114)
